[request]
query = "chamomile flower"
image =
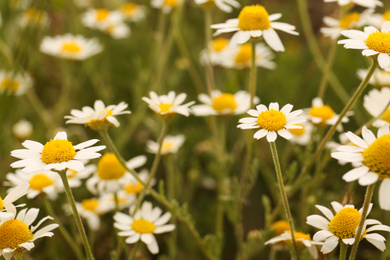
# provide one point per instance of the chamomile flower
(33, 16)
(41, 182)
(101, 18)
(91, 209)
(220, 103)
(302, 135)
(364, 3)
(377, 20)
(146, 222)
(133, 187)
(18, 235)
(303, 241)
(99, 117)
(166, 105)
(279, 227)
(133, 12)
(125, 200)
(350, 21)
(75, 177)
(240, 57)
(272, 121)
(165, 5)
(371, 41)
(343, 225)
(57, 154)
(170, 144)
(71, 47)
(254, 22)
(22, 129)
(223, 5)
(377, 102)
(370, 156)
(7, 208)
(380, 78)
(110, 175)
(217, 49)
(14, 83)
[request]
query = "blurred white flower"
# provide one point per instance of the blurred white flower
(170, 144)
(22, 129)
(14, 83)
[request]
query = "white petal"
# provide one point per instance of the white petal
(330, 244)
(368, 179)
(327, 212)
(384, 194)
(271, 136)
(355, 173)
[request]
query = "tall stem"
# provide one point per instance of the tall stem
(359, 231)
(286, 206)
(76, 215)
(328, 69)
(208, 36)
(253, 73)
(343, 250)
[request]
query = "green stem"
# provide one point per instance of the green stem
(134, 251)
(76, 215)
(253, 73)
(208, 36)
(328, 69)
(343, 250)
(286, 206)
(359, 230)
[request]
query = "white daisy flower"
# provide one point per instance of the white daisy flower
(72, 47)
(18, 234)
(343, 225)
(380, 78)
(133, 187)
(22, 129)
(303, 241)
(170, 144)
(101, 18)
(272, 121)
(110, 175)
(334, 27)
(117, 31)
(57, 154)
(91, 210)
(7, 208)
(99, 117)
(165, 5)
(75, 177)
(133, 12)
(217, 49)
(377, 103)
(371, 41)
(146, 222)
(125, 200)
(33, 16)
(364, 3)
(377, 20)
(302, 135)
(254, 21)
(14, 83)
(41, 182)
(223, 5)
(166, 105)
(371, 158)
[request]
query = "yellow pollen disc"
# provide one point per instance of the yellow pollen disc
(143, 226)
(164, 108)
(13, 233)
(102, 123)
(344, 224)
(324, 112)
(71, 173)
(253, 17)
(167, 146)
(109, 167)
(1, 204)
(244, 55)
(90, 204)
(386, 115)
(348, 20)
(219, 44)
(171, 3)
(376, 156)
(129, 8)
(9, 84)
(102, 14)
(272, 120)
(57, 151)
(280, 227)
(225, 101)
(379, 41)
(134, 189)
(386, 16)
(71, 47)
(40, 181)
(298, 132)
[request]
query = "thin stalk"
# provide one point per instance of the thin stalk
(208, 36)
(171, 194)
(253, 73)
(160, 40)
(343, 250)
(76, 215)
(328, 69)
(40, 109)
(359, 230)
(286, 206)
(134, 251)
(64, 232)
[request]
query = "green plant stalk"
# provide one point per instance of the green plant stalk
(64, 232)
(283, 194)
(76, 215)
(359, 230)
(343, 250)
(171, 194)
(253, 73)
(328, 69)
(208, 36)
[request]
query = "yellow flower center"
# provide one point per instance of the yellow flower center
(219, 44)
(376, 156)
(244, 55)
(299, 235)
(129, 8)
(99, 124)
(57, 151)
(324, 112)
(386, 15)
(298, 132)
(167, 146)
(223, 102)
(379, 41)
(171, 3)
(13, 233)
(164, 108)
(253, 17)
(90, 204)
(280, 227)
(386, 115)
(40, 181)
(344, 224)
(109, 167)
(134, 188)
(143, 226)
(272, 120)
(102, 14)
(348, 20)
(1, 204)
(9, 84)
(71, 47)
